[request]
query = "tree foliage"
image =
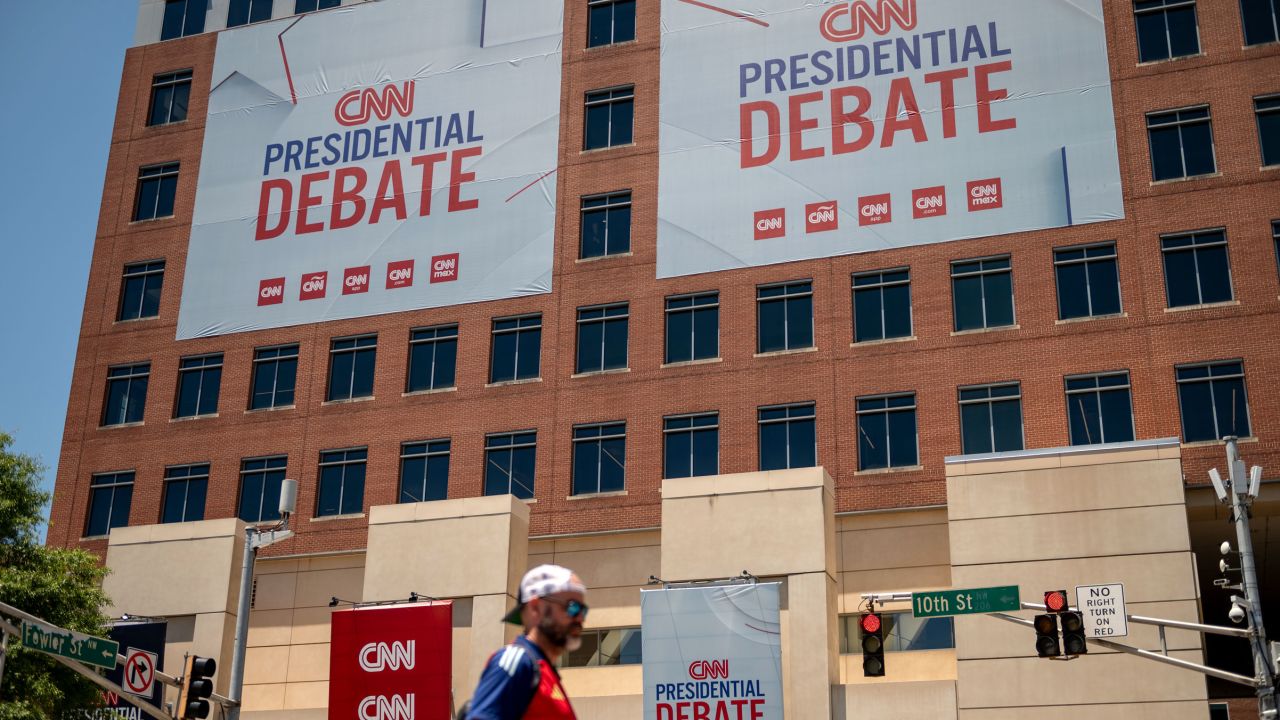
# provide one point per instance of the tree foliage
(61, 586)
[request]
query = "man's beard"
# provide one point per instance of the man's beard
(560, 636)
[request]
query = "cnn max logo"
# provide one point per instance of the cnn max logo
(355, 280)
(928, 202)
(770, 224)
(358, 106)
(874, 209)
(399, 274)
(386, 707)
(271, 291)
(379, 656)
(849, 21)
(985, 194)
(444, 268)
(820, 217)
(709, 669)
(313, 285)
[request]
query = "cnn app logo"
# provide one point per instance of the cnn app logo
(444, 268)
(928, 202)
(271, 291)
(355, 280)
(399, 274)
(820, 217)
(874, 209)
(313, 285)
(985, 195)
(770, 224)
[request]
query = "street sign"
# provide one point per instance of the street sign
(70, 644)
(1103, 609)
(139, 672)
(943, 603)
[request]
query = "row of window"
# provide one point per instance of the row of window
(1211, 397)
(186, 17)
(1168, 28)
(1182, 144)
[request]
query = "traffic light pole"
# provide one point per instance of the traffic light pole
(1249, 577)
(254, 540)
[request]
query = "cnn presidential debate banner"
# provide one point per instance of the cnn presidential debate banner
(832, 128)
(376, 158)
(712, 653)
(392, 662)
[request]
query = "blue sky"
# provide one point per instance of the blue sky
(62, 61)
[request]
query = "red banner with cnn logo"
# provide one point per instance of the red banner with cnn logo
(392, 663)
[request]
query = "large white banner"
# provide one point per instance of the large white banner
(376, 158)
(794, 130)
(712, 653)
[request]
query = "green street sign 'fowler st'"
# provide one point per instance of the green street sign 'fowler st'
(70, 644)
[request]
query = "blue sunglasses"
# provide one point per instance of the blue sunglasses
(574, 608)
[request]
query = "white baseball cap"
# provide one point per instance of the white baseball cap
(542, 581)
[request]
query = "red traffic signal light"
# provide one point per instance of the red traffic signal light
(872, 626)
(1055, 600)
(870, 623)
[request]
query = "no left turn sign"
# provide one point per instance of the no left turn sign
(139, 672)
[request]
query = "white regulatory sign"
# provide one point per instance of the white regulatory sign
(1103, 610)
(139, 672)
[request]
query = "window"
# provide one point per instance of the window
(185, 487)
(126, 394)
(351, 363)
(260, 480)
(608, 117)
(157, 186)
(508, 463)
(599, 458)
(1268, 111)
(1212, 400)
(301, 6)
(693, 327)
(887, 431)
(606, 225)
(784, 316)
(1261, 20)
(243, 12)
(1219, 711)
(1196, 269)
(433, 357)
(1275, 237)
(610, 21)
(902, 633)
(990, 418)
(602, 338)
(1088, 281)
(611, 646)
(342, 482)
(516, 345)
(882, 305)
(982, 291)
(169, 95)
(691, 445)
(424, 471)
(275, 372)
(199, 379)
(1099, 408)
(183, 18)
(1181, 143)
(140, 290)
(1166, 29)
(787, 437)
(110, 495)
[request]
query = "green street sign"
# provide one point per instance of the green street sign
(69, 644)
(944, 603)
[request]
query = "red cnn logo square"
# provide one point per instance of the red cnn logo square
(355, 280)
(444, 268)
(770, 224)
(271, 291)
(820, 217)
(313, 285)
(985, 194)
(928, 202)
(399, 274)
(874, 209)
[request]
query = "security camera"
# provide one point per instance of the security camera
(1218, 488)
(288, 496)
(1255, 480)
(1225, 547)
(1222, 565)
(1236, 614)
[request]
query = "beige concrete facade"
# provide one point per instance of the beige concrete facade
(1041, 520)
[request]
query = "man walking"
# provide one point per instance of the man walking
(520, 681)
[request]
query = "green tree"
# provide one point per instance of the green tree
(59, 585)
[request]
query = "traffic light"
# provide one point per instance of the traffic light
(872, 645)
(197, 684)
(1073, 634)
(1047, 636)
(1055, 601)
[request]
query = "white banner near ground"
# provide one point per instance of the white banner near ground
(376, 158)
(793, 130)
(712, 652)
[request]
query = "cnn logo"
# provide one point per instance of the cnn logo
(271, 291)
(379, 656)
(820, 217)
(357, 106)
(355, 280)
(985, 194)
(384, 707)
(874, 209)
(709, 669)
(770, 223)
(313, 286)
(928, 202)
(444, 268)
(399, 274)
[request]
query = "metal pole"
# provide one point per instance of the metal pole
(242, 623)
(106, 684)
(1248, 574)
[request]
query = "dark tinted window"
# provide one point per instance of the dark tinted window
(509, 464)
(599, 458)
(606, 225)
(157, 187)
(1268, 111)
(693, 327)
(199, 382)
(1099, 408)
(1088, 281)
(516, 346)
(691, 445)
(170, 94)
(882, 305)
(341, 486)
(887, 432)
(982, 293)
(788, 438)
(1212, 400)
(433, 357)
(110, 495)
(351, 364)
(1166, 29)
(784, 316)
(260, 480)
(424, 471)
(602, 338)
(248, 11)
(182, 18)
(610, 21)
(608, 117)
(185, 488)
(301, 6)
(140, 290)
(990, 418)
(126, 394)
(1261, 20)
(275, 372)
(1196, 269)
(612, 646)
(1181, 143)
